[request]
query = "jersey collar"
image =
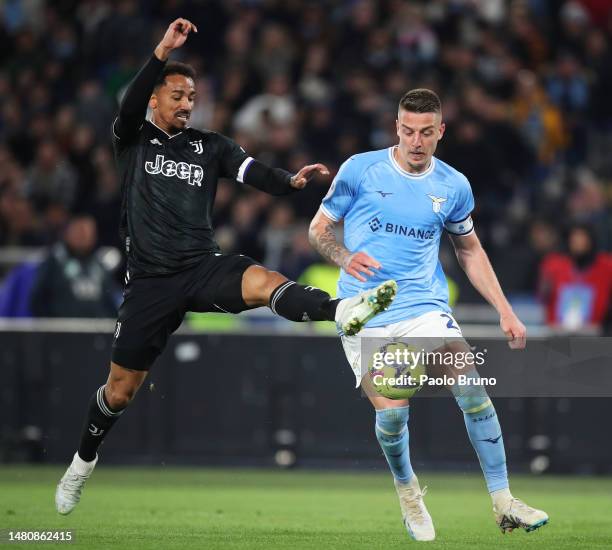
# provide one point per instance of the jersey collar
(403, 172)
(164, 131)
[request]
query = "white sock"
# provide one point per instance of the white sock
(83, 467)
(501, 497)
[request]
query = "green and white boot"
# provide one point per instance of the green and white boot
(353, 313)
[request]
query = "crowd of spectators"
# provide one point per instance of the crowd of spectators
(525, 86)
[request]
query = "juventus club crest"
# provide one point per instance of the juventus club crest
(197, 146)
(436, 202)
(95, 431)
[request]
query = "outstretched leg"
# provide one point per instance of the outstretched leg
(106, 405)
(261, 287)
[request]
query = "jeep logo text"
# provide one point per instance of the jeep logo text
(193, 173)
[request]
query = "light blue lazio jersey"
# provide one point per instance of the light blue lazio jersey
(398, 218)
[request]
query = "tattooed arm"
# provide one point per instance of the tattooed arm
(323, 239)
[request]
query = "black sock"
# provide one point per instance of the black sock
(302, 303)
(100, 419)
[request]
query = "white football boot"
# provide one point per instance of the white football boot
(68, 492)
(353, 313)
(416, 518)
(514, 514)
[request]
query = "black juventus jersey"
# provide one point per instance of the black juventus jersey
(168, 184)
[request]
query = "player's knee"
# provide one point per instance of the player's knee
(391, 422)
(119, 396)
(258, 283)
(471, 397)
(120, 390)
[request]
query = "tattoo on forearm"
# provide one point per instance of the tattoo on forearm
(326, 244)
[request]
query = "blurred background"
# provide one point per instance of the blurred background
(526, 88)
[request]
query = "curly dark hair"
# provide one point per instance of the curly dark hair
(175, 67)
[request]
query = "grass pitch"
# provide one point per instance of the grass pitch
(167, 508)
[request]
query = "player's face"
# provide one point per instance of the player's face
(418, 134)
(172, 103)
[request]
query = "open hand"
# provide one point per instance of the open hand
(300, 180)
(357, 265)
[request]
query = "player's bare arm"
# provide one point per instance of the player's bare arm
(475, 262)
(323, 239)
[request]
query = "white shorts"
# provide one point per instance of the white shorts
(433, 328)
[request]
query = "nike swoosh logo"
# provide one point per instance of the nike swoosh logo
(383, 194)
(491, 439)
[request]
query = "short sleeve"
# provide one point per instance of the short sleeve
(336, 203)
(459, 221)
(234, 160)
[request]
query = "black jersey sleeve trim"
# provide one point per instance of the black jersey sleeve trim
(274, 181)
(133, 106)
(461, 220)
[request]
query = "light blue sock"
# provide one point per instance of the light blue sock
(484, 431)
(392, 434)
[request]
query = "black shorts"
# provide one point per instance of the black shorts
(154, 307)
